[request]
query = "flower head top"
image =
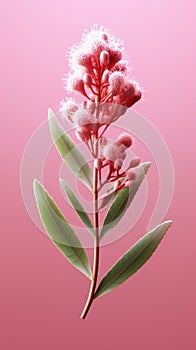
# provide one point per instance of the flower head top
(99, 71)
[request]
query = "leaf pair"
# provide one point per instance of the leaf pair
(67, 242)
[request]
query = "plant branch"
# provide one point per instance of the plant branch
(96, 227)
(96, 247)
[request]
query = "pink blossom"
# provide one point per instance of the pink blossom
(98, 71)
(121, 66)
(67, 109)
(87, 79)
(134, 162)
(130, 175)
(83, 58)
(104, 58)
(125, 139)
(116, 81)
(115, 56)
(105, 76)
(76, 83)
(118, 163)
(112, 151)
(82, 117)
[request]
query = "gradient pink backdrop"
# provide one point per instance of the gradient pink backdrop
(41, 294)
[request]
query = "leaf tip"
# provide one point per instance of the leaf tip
(168, 223)
(50, 113)
(36, 183)
(165, 226)
(146, 166)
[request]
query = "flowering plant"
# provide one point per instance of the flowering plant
(99, 72)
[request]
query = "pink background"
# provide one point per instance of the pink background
(41, 294)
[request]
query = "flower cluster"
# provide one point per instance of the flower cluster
(99, 71)
(112, 155)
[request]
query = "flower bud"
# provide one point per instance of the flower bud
(116, 80)
(115, 56)
(125, 139)
(118, 164)
(133, 99)
(105, 76)
(110, 152)
(128, 90)
(76, 83)
(131, 175)
(87, 79)
(82, 118)
(84, 59)
(134, 162)
(121, 66)
(122, 154)
(104, 58)
(67, 110)
(130, 93)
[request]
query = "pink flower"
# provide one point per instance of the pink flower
(112, 152)
(104, 58)
(125, 139)
(67, 109)
(130, 176)
(76, 83)
(98, 71)
(82, 117)
(134, 162)
(116, 81)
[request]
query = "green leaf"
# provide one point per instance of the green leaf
(134, 258)
(123, 200)
(78, 207)
(69, 151)
(59, 230)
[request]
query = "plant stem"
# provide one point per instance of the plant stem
(96, 246)
(96, 215)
